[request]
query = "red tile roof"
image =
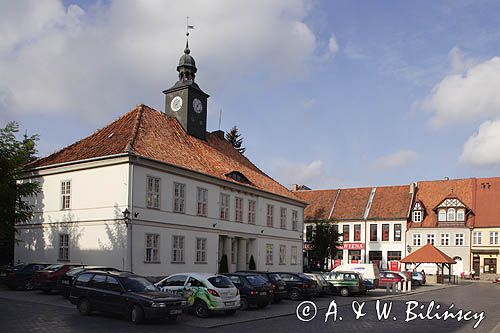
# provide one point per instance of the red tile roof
(320, 203)
(351, 203)
(391, 202)
(487, 209)
(148, 133)
(428, 254)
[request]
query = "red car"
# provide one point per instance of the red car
(388, 278)
(46, 279)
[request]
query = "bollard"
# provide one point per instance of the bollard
(403, 284)
(409, 285)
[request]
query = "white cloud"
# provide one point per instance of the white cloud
(398, 159)
(56, 59)
(289, 172)
(482, 149)
(333, 46)
(458, 62)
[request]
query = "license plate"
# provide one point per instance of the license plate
(177, 311)
(263, 293)
(281, 288)
(64, 282)
(229, 303)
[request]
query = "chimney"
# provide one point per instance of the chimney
(295, 187)
(219, 134)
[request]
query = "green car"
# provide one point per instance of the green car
(346, 283)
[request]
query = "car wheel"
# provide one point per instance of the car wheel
(136, 314)
(295, 295)
(84, 307)
(243, 304)
(28, 285)
(344, 292)
(201, 309)
(230, 312)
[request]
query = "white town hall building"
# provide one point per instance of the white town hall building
(155, 193)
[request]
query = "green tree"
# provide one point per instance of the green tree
(325, 241)
(14, 155)
(251, 264)
(235, 139)
(223, 266)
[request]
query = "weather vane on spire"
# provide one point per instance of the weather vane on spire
(188, 26)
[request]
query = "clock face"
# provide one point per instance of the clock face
(176, 103)
(197, 106)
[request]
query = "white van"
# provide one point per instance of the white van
(370, 273)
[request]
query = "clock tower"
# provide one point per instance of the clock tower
(185, 100)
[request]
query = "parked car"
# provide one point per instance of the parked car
(277, 284)
(4, 270)
(324, 288)
(387, 278)
(47, 278)
(417, 279)
(346, 283)
(126, 294)
(369, 272)
(66, 280)
(299, 286)
(255, 291)
(204, 292)
(20, 276)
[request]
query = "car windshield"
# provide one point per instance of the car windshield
(138, 284)
(220, 282)
(54, 267)
(75, 271)
(275, 277)
(302, 275)
(256, 280)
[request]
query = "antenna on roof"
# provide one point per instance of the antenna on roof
(220, 117)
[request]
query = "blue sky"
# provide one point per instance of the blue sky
(326, 93)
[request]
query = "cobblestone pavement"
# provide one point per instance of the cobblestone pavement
(33, 312)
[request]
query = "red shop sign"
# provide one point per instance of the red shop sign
(351, 246)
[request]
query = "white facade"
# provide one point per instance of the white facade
(145, 243)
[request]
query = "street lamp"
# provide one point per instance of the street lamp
(126, 216)
(408, 248)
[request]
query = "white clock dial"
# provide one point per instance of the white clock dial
(197, 106)
(176, 103)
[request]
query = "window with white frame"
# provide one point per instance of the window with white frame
(445, 239)
(269, 254)
(431, 238)
(494, 237)
(238, 209)
(283, 218)
(459, 239)
(63, 247)
(224, 206)
(451, 214)
(153, 192)
(233, 252)
(293, 258)
(270, 215)
(252, 204)
(201, 250)
(178, 249)
(417, 239)
(66, 194)
(477, 238)
(461, 214)
(152, 248)
(295, 220)
(179, 198)
(282, 254)
(202, 201)
(441, 215)
(417, 216)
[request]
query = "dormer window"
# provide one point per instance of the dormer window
(442, 215)
(238, 176)
(461, 214)
(451, 214)
(418, 212)
(451, 210)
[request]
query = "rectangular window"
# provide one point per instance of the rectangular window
(153, 192)
(417, 216)
(293, 258)
(397, 232)
(201, 250)
(477, 238)
(152, 248)
(224, 206)
(233, 252)
(202, 201)
(417, 240)
(270, 216)
(309, 233)
(238, 209)
(445, 239)
(295, 220)
(459, 239)
(345, 232)
(385, 232)
(494, 237)
(283, 218)
(282, 254)
(179, 197)
(269, 254)
(178, 249)
(252, 204)
(66, 194)
(63, 247)
(373, 232)
(357, 232)
(393, 255)
(430, 238)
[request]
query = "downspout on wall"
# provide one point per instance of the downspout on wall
(365, 218)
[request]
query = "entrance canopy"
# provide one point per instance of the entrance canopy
(428, 254)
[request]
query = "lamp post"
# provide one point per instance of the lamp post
(408, 248)
(126, 216)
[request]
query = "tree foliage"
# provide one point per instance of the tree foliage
(325, 240)
(14, 155)
(235, 139)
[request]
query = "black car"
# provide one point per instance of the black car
(124, 293)
(299, 286)
(66, 281)
(277, 284)
(255, 291)
(20, 275)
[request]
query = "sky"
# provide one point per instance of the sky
(325, 93)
